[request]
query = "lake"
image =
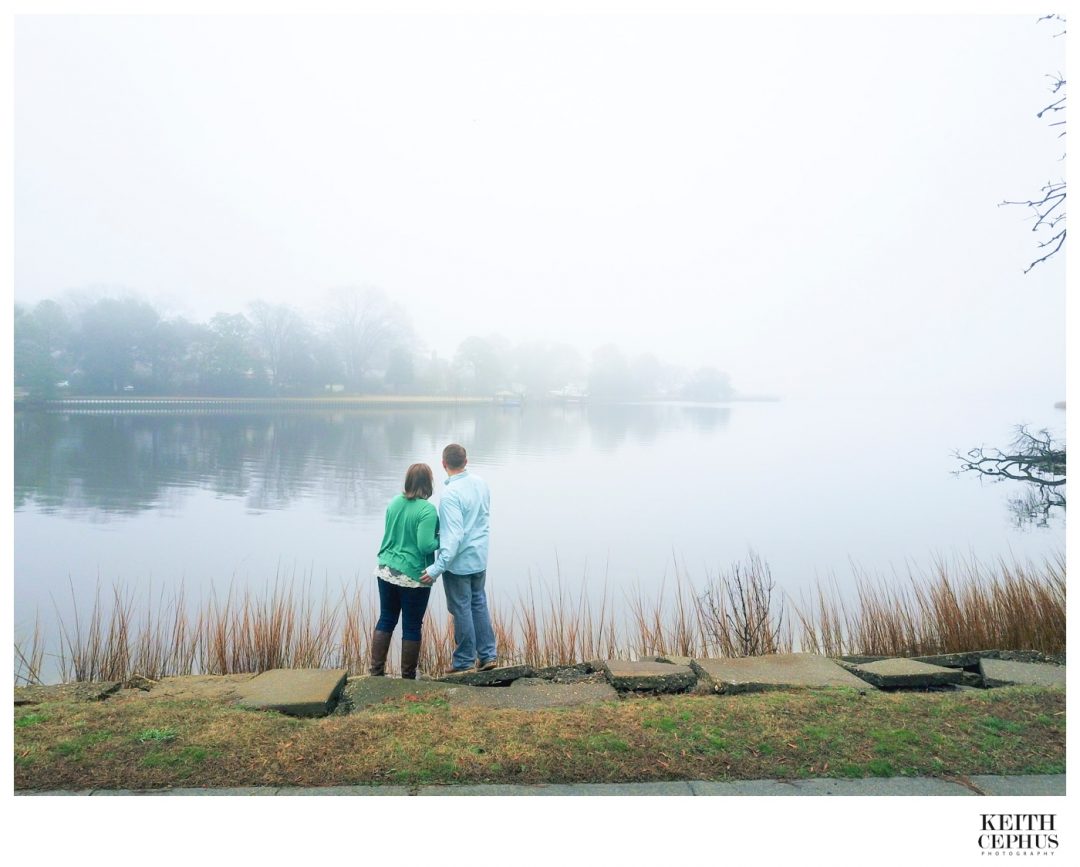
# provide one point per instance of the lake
(589, 492)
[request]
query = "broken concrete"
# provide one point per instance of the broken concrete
(905, 674)
(294, 691)
(649, 676)
(523, 694)
(224, 688)
(775, 671)
(533, 694)
(494, 677)
(1004, 672)
(363, 692)
(1026, 656)
(582, 672)
(968, 660)
(971, 680)
(95, 691)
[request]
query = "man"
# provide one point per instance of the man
(462, 561)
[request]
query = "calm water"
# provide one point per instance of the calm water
(586, 491)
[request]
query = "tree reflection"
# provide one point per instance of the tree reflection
(351, 461)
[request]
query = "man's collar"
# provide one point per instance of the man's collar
(449, 479)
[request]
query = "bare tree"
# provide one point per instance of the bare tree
(1048, 208)
(363, 324)
(274, 327)
(1034, 458)
(739, 611)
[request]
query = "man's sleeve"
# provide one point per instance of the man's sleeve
(451, 533)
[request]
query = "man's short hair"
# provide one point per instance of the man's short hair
(454, 456)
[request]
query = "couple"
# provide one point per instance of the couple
(409, 565)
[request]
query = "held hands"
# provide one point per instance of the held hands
(425, 579)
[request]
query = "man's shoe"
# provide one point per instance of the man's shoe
(487, 666)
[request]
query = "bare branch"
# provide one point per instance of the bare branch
(1049, 211)
(1035, 459)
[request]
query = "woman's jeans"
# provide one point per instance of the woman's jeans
(409, 602)
(467, 602)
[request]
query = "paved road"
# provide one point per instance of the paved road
(1053, 784)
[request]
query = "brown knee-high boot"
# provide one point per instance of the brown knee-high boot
(380, 646)
(410, 656)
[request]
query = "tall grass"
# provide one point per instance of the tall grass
(968, 605)
(30, 657)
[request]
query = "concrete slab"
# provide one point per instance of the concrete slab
(494, 677)
(361, 692)
(294, 691)
(245, 791)
(912, 786)
(1032, 785)
(580, 673)
(52, 793)
(955, 660)
(769, 788)
(95, 691)
(533, 694)
(776, 671)
(916, 787)
(1005, 672)
(649, 676)
(564, 789)
(1025, 656)
(202, 687)
(905, 674)
(347, 791)
(1048, 784)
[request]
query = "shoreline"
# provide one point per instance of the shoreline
(107, 403)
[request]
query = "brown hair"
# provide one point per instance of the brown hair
(418, 482)
(454, 456)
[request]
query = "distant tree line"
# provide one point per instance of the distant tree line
(358, 343)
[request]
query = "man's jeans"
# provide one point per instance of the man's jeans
(467, 602)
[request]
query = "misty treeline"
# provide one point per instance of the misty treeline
(358, 342)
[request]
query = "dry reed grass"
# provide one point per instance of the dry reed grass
(964, 606)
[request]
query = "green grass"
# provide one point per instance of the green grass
(74, 748)
(606, 743)
(1001, 726)
(182, 760)
(157, 735)
(134, 743)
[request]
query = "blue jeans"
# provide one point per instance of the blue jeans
(467, 603)
(407, 601)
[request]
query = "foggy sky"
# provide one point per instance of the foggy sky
(809, 203)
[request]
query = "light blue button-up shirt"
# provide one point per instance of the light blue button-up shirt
(463, 526)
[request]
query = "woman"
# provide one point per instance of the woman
(408, 548)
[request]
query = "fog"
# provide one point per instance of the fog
(808, 204)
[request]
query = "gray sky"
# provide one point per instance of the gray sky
(807, 203)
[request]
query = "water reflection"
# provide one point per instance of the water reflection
(114, 465)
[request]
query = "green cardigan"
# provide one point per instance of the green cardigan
(411, 537)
